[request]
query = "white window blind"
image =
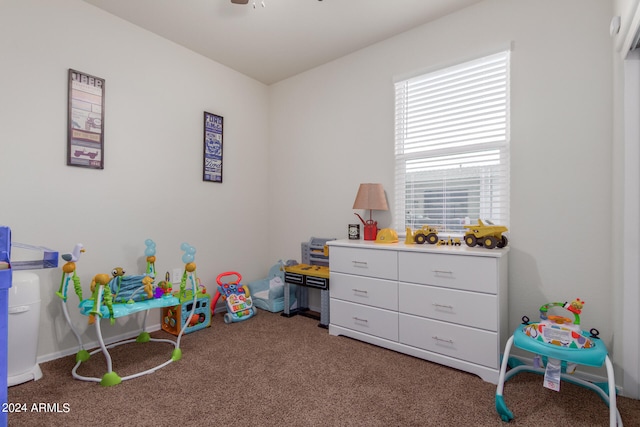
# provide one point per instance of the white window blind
(452, 146)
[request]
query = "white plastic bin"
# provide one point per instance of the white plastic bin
(24, 325)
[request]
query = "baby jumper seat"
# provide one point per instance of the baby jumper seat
(121, 296)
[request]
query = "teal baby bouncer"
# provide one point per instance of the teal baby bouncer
(119, 296)
(558, 342)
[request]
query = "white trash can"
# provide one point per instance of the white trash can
(24, 325)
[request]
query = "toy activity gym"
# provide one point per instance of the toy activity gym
(190, 315)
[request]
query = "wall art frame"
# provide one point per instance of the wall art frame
(212, 147)
(85, 141)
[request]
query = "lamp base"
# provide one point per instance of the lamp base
(370, 231)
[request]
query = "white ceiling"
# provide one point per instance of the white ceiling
(283, 38)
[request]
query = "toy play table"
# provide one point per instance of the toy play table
(307, 276)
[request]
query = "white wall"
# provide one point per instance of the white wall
(151, 186)
(332, 128)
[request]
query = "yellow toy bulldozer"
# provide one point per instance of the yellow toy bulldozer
(424, 234)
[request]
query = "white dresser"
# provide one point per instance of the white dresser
(446, 304)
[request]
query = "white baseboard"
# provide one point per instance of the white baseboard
(221, 307)
(94, 344)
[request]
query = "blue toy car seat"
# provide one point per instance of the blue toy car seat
(268, 293)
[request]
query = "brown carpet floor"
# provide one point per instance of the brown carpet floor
(275, 371)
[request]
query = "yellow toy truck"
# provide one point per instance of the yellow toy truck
(490, 236)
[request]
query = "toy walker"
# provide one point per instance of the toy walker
(559, 342)
(239, 304)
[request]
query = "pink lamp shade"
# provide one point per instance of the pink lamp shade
(370, 196)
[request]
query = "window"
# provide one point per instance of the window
(452, 146)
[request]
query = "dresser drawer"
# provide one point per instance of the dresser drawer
(364, 290)
(461, 342)
(473, 273)
(362, 318)
(450, 305)
(382, 264)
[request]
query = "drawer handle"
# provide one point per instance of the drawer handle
(443, 272)
(359, 291)
(450, 307)
(361, 264)
(442, 340)
(357, 319)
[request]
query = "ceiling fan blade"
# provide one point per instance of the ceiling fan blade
(239, 1)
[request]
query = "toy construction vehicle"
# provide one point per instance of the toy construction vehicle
(449, 242)
(490, 236)
(424, 234)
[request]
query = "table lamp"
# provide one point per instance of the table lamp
(370, 196)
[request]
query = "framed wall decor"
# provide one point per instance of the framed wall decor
(212, 161)
(85, 142)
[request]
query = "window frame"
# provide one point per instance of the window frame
(428, 145)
